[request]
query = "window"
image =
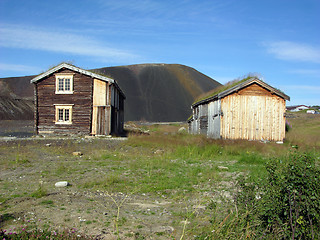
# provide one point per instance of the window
(63, 114)
(64, 84)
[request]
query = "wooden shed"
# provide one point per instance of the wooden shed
(71, 100)
(249, 109)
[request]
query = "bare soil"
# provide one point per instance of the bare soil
(31, 166)
(16, 128)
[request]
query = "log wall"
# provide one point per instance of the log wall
(81, 100)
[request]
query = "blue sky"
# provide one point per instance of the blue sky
(278, 39)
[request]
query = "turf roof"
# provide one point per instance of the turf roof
(233, 84)
(222, 88)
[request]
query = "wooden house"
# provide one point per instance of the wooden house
(70, 100)
(297, 108)
(249, 109)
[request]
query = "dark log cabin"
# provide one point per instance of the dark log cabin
(70, 100)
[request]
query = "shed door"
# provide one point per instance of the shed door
(101, 120)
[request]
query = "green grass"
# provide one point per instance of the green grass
(32, 232)
(225, 87)
(40, 192)
(165, 165)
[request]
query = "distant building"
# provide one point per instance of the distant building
(249, 109)
(311, 111)
(297, 108)
(70, 100)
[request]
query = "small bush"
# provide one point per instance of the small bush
(288, 126)
(287, 203)
(291, 197)
(40, 192)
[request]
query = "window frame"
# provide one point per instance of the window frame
(58, 85)
(63, 107)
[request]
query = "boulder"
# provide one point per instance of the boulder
(223, 168)
(61, 184)
(182, 129)
(77, 153)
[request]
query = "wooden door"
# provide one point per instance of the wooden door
(101, 120)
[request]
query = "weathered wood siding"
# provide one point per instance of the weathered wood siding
(193, 124)
(117, 110)
(81, 100)
(214, 114)
(253, 113)
(199, 122)
(203, 118)
(101, 109)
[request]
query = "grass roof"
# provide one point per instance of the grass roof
(223, 88)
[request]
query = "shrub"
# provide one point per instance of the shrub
(40, 192)
(291, 196)
(288, 126)
(285, 204)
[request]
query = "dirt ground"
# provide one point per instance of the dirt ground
(16, 128)
(93, 212)
(30, 166)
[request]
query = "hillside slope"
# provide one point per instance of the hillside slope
(16, 98)
(16, 109)
(159, 92)
(155, 92)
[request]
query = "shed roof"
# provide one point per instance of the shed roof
(239, 86)
(76, 69)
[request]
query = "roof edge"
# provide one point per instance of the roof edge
(71, 67)
(79, 70)
(241, 86)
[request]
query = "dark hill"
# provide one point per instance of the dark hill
(16, 98)
(17, 87)
(155, 92)
(159, 92)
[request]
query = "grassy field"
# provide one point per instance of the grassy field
(159, 185)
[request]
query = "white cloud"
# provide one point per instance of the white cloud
(309, 72)
(19, 68)
(286, 50)
(139, 6)
(24, 37)
(303, 88)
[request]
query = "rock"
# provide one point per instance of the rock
(62, 184)
(89, 137)
(185, 222)
(159, 151)
(160, 229)
(222, 167)
(77, 153)
(199, 207)
(182, 129)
